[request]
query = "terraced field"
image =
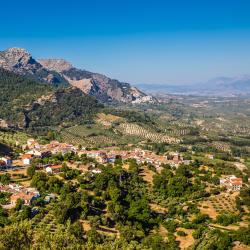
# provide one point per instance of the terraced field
(88, 136)
(178, 132)
(15, 138)
(96, 135)
(74, 139)
(216, 205)
(48, 222)
(137, 130)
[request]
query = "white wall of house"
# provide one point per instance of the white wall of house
(26, 161)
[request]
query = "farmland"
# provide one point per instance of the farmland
(136, 130)
(219, 204)
(13, 138)
(95, 135)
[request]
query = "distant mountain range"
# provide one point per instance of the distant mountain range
(221, 86)
(59, 72)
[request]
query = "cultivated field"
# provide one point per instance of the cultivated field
(137, 130)
(15, 138)
(219, 204)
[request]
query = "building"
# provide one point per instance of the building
(231, 182)
(54, 169)
(99, 156)
(49, 197)
(32, 143)
(177, 158)
(7, 160)
(94, 170)
(26, 159)
(39, 153)
(25, 196)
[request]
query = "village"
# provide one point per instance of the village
(33, 150)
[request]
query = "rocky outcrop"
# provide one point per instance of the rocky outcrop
(104, 88)
(18, 60)
(58, 65)
(21, 62)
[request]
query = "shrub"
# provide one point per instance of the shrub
(181, 233)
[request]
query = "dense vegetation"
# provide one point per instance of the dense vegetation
(115, 201)
(71, 107)
(20, 106)
(16, 94)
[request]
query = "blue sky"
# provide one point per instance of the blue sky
(172, 42)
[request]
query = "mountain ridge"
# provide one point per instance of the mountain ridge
(25, 103)
(60, 72)
(219, 86)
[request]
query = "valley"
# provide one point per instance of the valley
(87, 170)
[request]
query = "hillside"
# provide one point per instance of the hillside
(25, 102)
(58, 72)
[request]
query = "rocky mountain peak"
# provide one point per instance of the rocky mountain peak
(16, 58)
(58, 65)
(17, 51)
(60, 72)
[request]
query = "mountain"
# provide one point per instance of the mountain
(25, 103)
(220, 86)
(98, 85)
(230, 85)
(21, 62)
(59, 72)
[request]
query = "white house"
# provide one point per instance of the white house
(231, 182)
(26, 159)
(54, 169)
(7, 161)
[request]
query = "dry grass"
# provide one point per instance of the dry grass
(207, 208)
(157, 208)
(185, 241)
(108, 119)
(26, 183)
(239, 246)
(17, 162)
(216, 205)
(86, 225)
(163, 232)
(147, 175)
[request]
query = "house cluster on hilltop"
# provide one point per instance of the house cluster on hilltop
(140, 155)
(53, 147)
(101, 156)
(27, 195)
(231, 182)
(34, 149)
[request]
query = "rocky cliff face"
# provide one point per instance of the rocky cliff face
(59, 71)
(16, 59)
(98, 85)
(21, 62)
(58, 65)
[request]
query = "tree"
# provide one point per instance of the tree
(5, 179)
(31, 171)
(16, 236)
(62, 238)
(154, 242)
